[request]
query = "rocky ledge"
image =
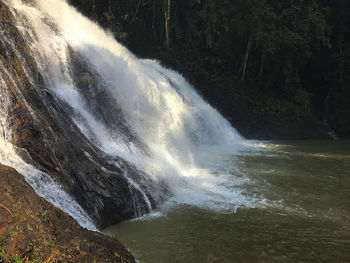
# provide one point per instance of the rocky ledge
(33, 230)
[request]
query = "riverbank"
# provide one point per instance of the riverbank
(33, 230)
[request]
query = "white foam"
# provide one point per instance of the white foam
(188, 143)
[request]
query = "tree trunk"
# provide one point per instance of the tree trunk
(137, 9)
(167, 22)
(153, 21)
(340, 62)
(262, 64)
(243, 67)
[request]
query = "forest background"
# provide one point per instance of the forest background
(264, 64)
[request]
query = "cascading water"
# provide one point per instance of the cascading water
(131, 108)
(41, 182)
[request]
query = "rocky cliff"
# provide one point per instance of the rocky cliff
(39, 124)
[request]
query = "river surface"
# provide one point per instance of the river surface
(303, 214)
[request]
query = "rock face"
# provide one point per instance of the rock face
(32, 230)
(38, 123)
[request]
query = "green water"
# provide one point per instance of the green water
(306, 218)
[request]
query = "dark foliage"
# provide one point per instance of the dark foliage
(285, 59)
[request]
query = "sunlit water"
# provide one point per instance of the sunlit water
(306, 216)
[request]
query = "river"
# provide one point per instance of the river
(303, 212)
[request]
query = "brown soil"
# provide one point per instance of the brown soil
(33, 230)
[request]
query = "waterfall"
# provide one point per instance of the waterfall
(129, 108)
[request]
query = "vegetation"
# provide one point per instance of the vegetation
(282, 58)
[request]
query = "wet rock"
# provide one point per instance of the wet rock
(48, 138)
(32, 230)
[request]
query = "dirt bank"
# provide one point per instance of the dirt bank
(32, 230)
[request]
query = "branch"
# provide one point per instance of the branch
(8, 210)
